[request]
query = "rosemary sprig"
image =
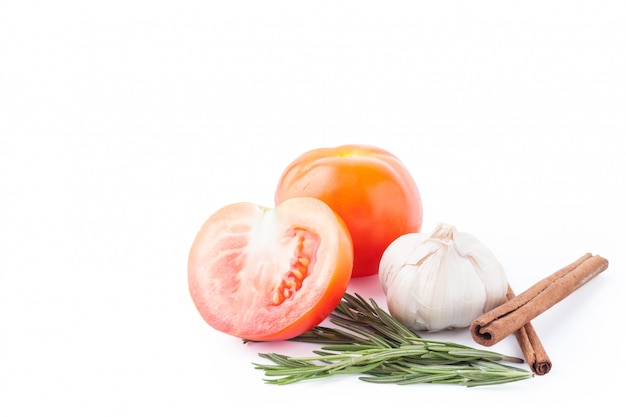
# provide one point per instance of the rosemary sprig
(369, 341)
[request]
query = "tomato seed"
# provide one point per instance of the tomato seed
(297, 274)
(277, 298)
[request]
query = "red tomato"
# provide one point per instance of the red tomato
(370, 189)
(270, 274)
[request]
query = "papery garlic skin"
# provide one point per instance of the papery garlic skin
(441, 280)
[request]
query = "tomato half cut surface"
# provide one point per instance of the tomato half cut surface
(270, 273)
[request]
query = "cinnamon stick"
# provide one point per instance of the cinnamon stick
(495, 325)
(531, 346)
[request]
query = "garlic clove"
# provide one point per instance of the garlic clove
(408, 247)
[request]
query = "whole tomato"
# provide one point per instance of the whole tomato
(370, 189)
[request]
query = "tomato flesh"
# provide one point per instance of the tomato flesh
(370, 189)
(270, 274)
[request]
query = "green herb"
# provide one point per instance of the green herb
(369, 341)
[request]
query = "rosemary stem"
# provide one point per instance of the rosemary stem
(371, 342)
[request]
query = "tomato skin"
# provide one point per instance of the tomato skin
(244, 255)
(370, 189)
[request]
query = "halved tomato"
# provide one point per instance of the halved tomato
(270, 273)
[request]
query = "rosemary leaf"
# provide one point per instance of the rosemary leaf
(369, 341)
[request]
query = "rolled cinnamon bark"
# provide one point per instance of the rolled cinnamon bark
(495, 325)
(531, 346)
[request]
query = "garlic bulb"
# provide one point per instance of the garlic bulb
(441, 280)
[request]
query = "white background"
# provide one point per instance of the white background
(125, 124)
